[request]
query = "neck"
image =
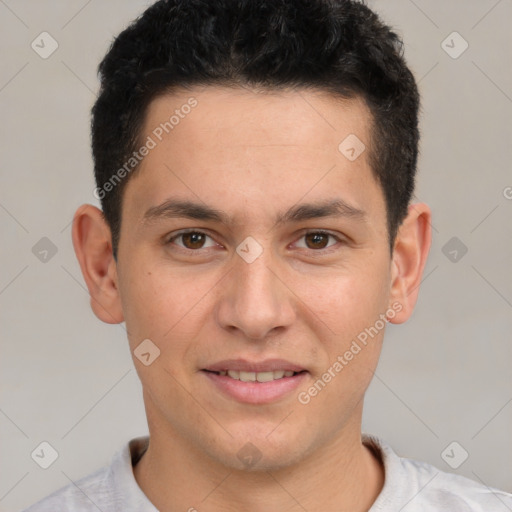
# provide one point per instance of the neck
(342, 474)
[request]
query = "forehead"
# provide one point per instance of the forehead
(240, 147)
(309, 118)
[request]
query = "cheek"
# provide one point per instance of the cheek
(164, 306)
(148, 305)
(350, 304)
(346, 302)
(163, 303)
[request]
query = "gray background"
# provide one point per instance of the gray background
(68, 379)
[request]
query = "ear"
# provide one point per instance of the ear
(92, 242)
(410, 253)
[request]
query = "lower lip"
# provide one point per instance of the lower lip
(256, 392)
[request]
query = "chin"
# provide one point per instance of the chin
(264, 461)
(258, 451)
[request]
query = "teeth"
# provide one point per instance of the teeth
(248, 376)
(257, 376)
(265, 376)
(234, 374)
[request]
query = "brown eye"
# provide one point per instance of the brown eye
(317, 240)
(192, 240)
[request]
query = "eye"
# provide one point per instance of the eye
(318, 240)
(192, 239)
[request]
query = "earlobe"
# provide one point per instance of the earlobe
(93, 248)
(410, 254)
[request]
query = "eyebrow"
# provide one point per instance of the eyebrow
(176, 208)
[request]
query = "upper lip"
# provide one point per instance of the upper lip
(268, 365)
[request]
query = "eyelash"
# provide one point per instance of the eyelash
(326, 250)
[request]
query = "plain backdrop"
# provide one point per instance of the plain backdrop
(69, 380)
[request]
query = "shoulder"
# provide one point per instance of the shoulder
(448, 491)
(413, 486)
(87, 494)
(112, 487)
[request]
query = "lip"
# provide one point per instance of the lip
(268, 365)
(255, 392)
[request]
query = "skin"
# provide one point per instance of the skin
(253, 155)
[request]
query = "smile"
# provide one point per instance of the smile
(257, 376)
(252, 382)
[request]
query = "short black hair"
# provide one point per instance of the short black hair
(338, 46)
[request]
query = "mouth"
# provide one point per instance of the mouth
(255, 382)
(266, 376)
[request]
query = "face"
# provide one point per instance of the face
(264, 279)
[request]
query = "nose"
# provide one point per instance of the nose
(256, 301)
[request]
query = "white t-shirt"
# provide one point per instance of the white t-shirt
(409, 486)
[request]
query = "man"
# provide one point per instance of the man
(255, 163)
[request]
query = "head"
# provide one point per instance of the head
(283, 136)
(339, 47)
